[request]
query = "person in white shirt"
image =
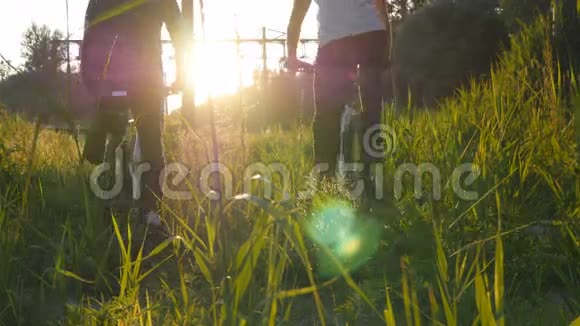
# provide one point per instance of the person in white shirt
(352, 33)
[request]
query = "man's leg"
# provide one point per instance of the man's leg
(146, 105)
(115, 110)
(371, 47)
(332, 90)
(96, 138)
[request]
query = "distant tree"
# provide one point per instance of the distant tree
(400, 9)
(518, 12)
(40, 49)
(4, 70)
(26, 93)
(439, 47)
(39, 89)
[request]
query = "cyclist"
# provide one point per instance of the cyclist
(351, 33)
(121, 56)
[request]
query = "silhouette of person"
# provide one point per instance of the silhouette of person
(121, 64)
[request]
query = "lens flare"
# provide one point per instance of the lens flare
(350, 247)
(346, 241)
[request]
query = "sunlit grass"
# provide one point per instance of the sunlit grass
(511, 257)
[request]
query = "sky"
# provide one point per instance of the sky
(223, 17)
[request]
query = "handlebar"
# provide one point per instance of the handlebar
(310, 69)
(307, 68)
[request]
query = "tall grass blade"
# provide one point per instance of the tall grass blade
(389, 313)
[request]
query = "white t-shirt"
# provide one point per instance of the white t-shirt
(342, 18)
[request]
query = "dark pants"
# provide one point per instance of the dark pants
(107, 131)
(336, 69)
(146, 107)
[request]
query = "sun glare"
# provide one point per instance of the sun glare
(220, 68)
(216, 71)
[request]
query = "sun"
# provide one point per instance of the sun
(215, 70)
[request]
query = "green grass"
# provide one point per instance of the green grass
(510, 257)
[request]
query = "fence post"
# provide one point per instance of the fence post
(264, 50)
(188, 101)
(165, 101)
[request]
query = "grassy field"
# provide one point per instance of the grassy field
(510, 256)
